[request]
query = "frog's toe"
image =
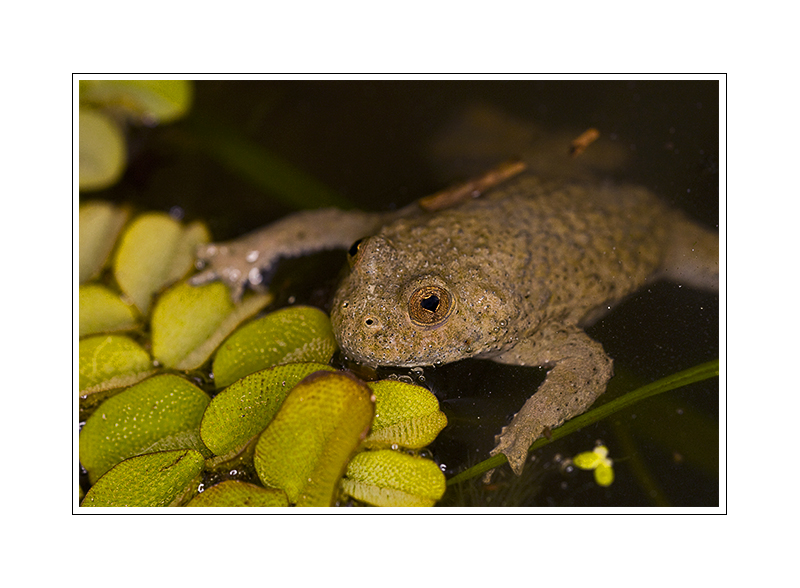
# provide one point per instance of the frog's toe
(514, 448)
(203, 277)
(237, 291)
(205, 251)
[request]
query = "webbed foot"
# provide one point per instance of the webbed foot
(229, 264)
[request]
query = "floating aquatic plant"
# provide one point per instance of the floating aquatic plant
(160, 413)
(597, 460)
(107, 108)
(392, 478)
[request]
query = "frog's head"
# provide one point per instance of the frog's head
(397, 308)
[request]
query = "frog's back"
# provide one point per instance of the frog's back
(569, 251)
(589, 245)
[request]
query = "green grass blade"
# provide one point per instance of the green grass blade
(267, 171)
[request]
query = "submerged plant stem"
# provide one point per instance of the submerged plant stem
(264, 169)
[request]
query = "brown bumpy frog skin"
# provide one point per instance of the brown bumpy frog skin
(512, 276)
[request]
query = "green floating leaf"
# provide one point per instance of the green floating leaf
(151, 101)
(161, 413)
(101, 150)
(111, 361)
(306, 447)
(155, 479)
(290, 335)
(245, 408)
(183, 255)
(190, 322)
(101, 311)
(155, 250)
(99, 224)
(405, 415)
(391, 478)
(237, 493)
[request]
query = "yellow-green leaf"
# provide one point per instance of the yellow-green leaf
(183, 255)
(152, 254)
(604, 475)
(101, 150)
(111, 361)
(392, 478)
(190, 322)
(155, 479)
(101, 311)
(151, 101)
(246, 407)
(237, 493)
(305, 449)
(588, 460)
(99, 224)
(405, 415)
(160, 413)
(290, 335)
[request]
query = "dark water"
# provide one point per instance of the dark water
(368, 141)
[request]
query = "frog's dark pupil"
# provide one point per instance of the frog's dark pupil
(353, 251)
(430, 306)
(430, 303)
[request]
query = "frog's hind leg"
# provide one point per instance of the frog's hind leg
(692, 256)
(580, 372)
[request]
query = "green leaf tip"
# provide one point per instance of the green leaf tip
(235, 493)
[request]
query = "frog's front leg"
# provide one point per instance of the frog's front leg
(245, 261)
(579, 374)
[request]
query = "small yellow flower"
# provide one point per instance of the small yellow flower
(598, 461)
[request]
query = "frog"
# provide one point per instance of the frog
(512, 269)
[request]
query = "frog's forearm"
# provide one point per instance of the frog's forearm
(242, 262)
(580, 372)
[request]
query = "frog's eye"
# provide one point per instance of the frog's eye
(355, 248)
(430, 305)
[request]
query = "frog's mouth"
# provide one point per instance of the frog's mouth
(372, 345)
(376, 340)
